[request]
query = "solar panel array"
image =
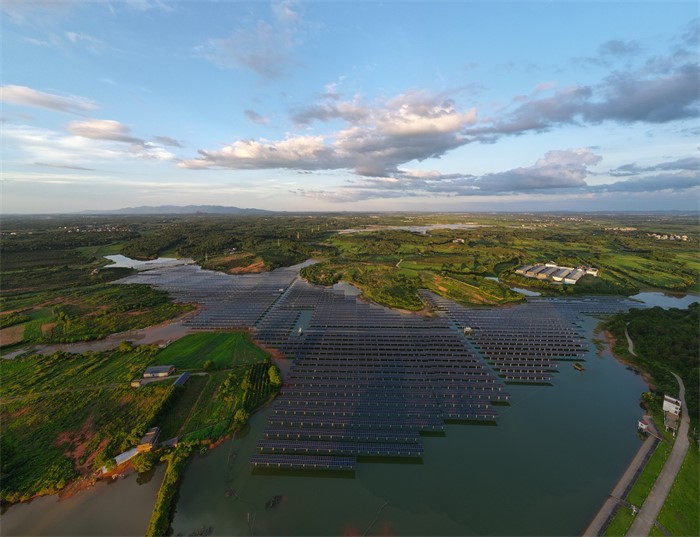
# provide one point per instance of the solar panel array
(367, 381)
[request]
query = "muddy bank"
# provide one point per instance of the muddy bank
(160, 334)
(611, 340)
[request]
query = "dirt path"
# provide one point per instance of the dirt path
(630, 344)
(161, 333)
(652, 506)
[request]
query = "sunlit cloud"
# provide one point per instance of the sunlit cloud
(23, 95)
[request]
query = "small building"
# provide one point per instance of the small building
(536, 269)
(156, 371)
(592, 271)
(642, 426)
(560, 274)
(149, 440)
(573, 277)
(458, 241)
(182, 379)
(672, 405)
(137, 383)
(547, 272)
(523, 269)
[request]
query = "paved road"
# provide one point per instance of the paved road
(595, 527)
(650, 510)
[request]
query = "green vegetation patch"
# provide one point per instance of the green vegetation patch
(44, 444)
(679, 515)
(664, 341)
(212, 351)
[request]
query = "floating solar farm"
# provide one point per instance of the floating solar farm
(368, 381)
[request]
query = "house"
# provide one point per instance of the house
(149, 440)
(156, 371)
(672, 405)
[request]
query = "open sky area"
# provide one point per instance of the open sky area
(345, 106)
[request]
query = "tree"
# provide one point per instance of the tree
(208, 365)
(274, 374)
(144, 462)
(240, 418)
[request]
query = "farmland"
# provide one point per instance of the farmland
(45, 446)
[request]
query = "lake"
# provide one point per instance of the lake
(666, 300)
(545, 469)
(121, 261)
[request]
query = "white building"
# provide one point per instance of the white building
(672, 405)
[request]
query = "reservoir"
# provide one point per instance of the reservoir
(544, 469)
(666, 300)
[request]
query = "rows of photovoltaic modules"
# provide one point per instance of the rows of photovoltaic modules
(523, 343)
(367, 380)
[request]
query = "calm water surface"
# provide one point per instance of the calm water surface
(545, 469)
(118, 507)
(666, 300)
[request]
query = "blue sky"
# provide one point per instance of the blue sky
(455, 106)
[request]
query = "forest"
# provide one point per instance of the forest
(665, 341)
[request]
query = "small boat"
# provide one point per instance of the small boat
(578, 367)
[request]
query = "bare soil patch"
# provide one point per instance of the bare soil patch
(254, 268)
(12, 334)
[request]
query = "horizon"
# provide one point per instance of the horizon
(311, 107)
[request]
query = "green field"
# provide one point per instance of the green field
(45, 445)
(223, 350)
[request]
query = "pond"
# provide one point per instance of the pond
(121, 261)
(666, 300)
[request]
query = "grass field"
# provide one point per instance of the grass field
(224, 350)
(680, 515)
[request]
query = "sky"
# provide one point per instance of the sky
(350, 106)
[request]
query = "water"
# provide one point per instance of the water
(545, 469)
(525, 292)
(347, 288)
(121, 261)
(118, 507)
(666, 300)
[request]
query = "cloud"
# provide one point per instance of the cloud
(63, 166)
(87, 142)
(624, 97)
(22, 11)
(92, 44)
(256, 118)
(676, 182)
(103, 129)
(24, 95)
(374, 141)
(685, 164)
(615, 47)
(167, 140)
(265, 47)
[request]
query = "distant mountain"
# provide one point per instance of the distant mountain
(175, 209)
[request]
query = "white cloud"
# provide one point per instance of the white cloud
(265, 47)
(375, 140)
(103, 129)
(23, 95)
